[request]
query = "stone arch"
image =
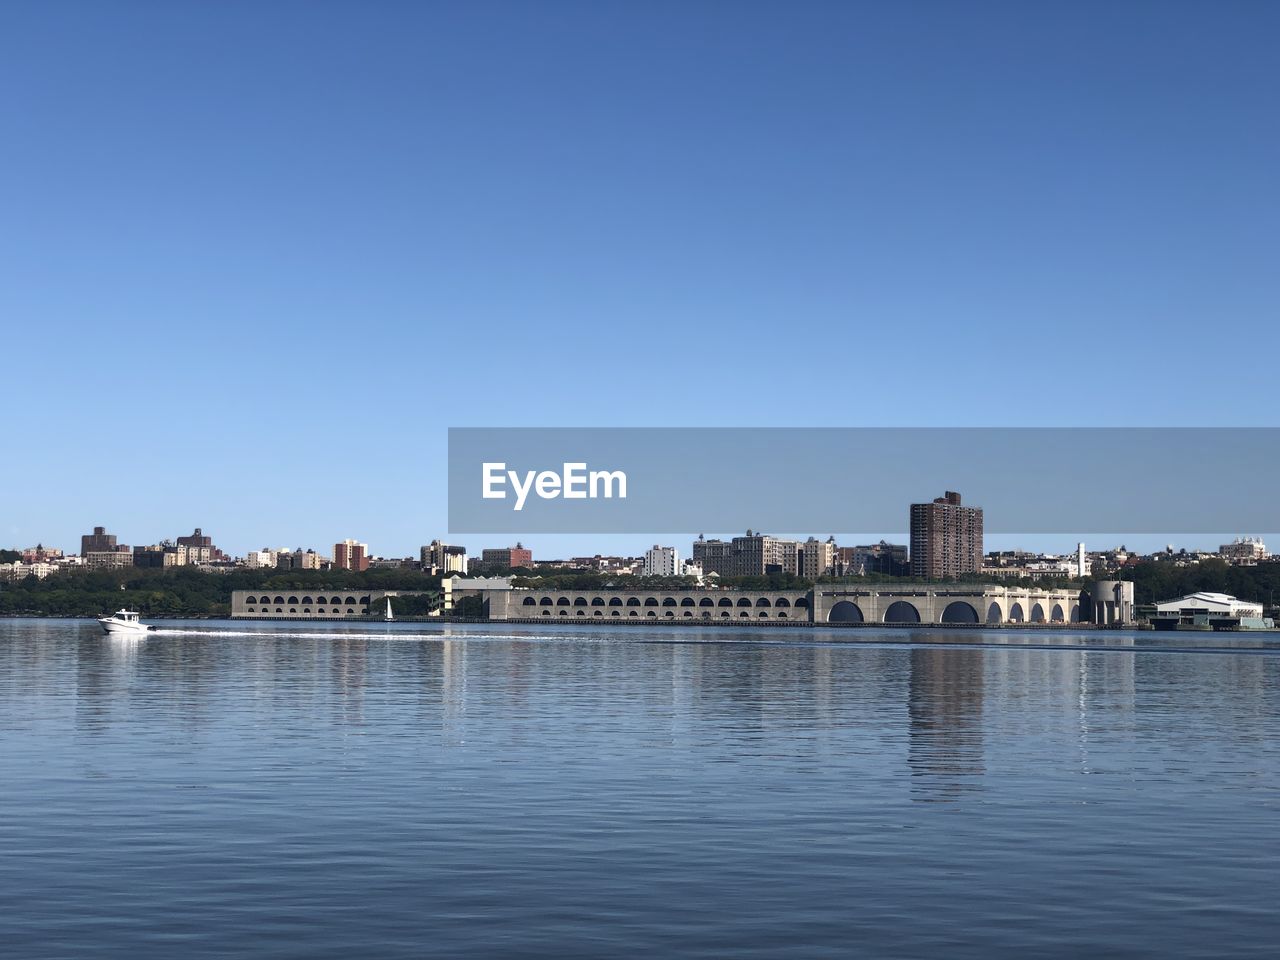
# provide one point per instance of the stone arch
(744, 601)
(293, 599)
(706, 602)
(1056, 615)
(802, 602)
(546, 602)
(250, 600)
(615, 601)
(633, 601)
(900, 611)
(763, 602)
(307, 601)
(1016, 614)
(597, 601)
(1037, 613)
(278, 600)
(725, 602)
(688, 602)
(528, 602)
(579, 601)
(958, 611)
(782, 602)
(650, 601)
(669, 602)
(845, 611)
(994, 613)
(1075, 613)
(562, 602)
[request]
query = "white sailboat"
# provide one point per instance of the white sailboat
(387, 616)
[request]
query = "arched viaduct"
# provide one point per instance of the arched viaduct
(868, 604)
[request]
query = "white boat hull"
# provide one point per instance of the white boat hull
(115, 628)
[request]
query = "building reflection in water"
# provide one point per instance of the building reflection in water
(944, 709)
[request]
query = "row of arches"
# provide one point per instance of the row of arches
(305, 601)
(958, 611)
(667, 613)
(581, 601)
(320, 611)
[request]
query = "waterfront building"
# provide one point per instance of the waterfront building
(456, 588)
(351, 555)
(847, 604)
(661, 561)
(443, 558)
(946, 538)
(1112, 602)
(507, 558)
(1208, 606)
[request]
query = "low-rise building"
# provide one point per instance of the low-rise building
(1207, 606)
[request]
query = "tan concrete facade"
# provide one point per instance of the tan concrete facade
(978, 604)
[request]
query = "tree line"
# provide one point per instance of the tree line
(186, 591)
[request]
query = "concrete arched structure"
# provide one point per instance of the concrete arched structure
(845, 612)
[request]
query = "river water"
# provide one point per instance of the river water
(301, 790)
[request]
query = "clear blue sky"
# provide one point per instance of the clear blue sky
(257, 257)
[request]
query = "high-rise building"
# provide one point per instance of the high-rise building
(200, 549)
(715, 556)
(873, 560)
(506, 558)
(817, 557)
(661, 562)
(752, 555)
(946, 538)
(97, 542)
(444, 558)
(351, 555)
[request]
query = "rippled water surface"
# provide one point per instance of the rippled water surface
(411, 791)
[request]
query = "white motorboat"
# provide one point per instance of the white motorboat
(124, 623)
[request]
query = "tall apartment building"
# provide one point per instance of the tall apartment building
(715, 556)
(946, 538)
(752, 555)
(817, 557)
(200, 549)
(444, 558)
(661, 562)
(506, 558)
(97, 542)
(874, 559)
(351, 555)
